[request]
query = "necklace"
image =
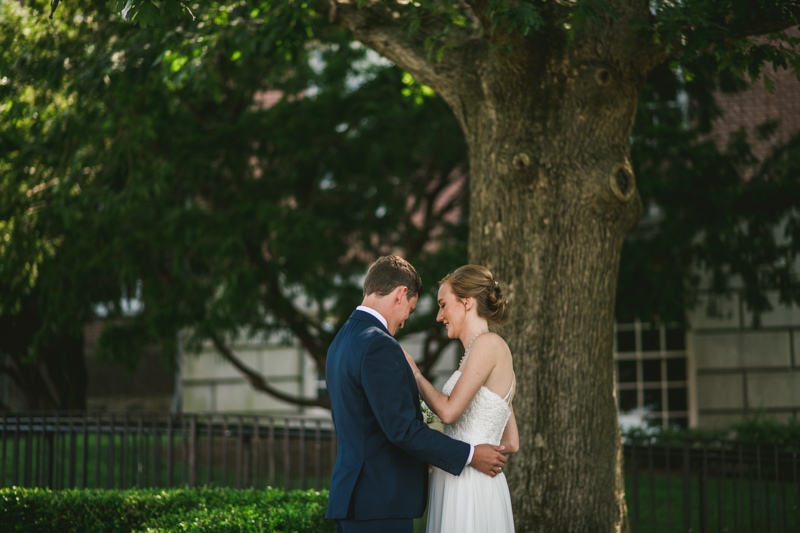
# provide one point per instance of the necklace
(468, 348)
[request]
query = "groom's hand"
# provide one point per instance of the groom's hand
(488, 460)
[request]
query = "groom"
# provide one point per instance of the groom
(379, 482)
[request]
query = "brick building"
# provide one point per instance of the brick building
(723, 368)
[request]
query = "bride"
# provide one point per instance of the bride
(475, 404)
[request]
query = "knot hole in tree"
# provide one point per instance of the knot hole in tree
(602, 76)
(521, 162)
(621, 181)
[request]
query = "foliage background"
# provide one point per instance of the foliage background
(236, 173)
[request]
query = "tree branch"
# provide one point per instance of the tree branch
(780, 16)
(283, 308)
(729, 21)
(382, 26)
(258, 382)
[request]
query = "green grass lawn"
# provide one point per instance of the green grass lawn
(142, 466)
(731, 505)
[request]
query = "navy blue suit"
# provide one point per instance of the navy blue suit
(383, 445)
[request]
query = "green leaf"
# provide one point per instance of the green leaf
(173, 9)
(145, 14)
(116, 6)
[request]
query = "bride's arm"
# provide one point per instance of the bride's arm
(510, 437)
(474, 373)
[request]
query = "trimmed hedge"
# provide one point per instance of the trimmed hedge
(207, 510)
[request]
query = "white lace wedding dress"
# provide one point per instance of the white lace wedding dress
(472, 502)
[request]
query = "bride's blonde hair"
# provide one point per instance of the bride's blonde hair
(475, 281)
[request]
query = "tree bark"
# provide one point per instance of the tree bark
(56, 378)
(552, 198)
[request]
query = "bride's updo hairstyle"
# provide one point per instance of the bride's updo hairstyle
(474, 281)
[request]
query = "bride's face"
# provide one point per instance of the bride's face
(452, 312)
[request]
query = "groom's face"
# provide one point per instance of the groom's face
(403, 309)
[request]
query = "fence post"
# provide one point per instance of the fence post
(72, 454)
(255, 446)
(84, 451)
(721, 515)
(687, 488)
(287, 457)
(140, 444)
(210, 434)
(170, 442)
(760, 488)
(45, 459)
(796, 489)
(111, 438)
(3, 456)
(155, 454)
(193, 451)
(29, 454)
(317, 458)
(185, 452)
(123, 471)
(271, 451)
(667, 453)
(652, 485)
(15, 477)
(778, 492)
(302, 455)
(635, 485)
(702, 490)
(239, 452)
(224, 451)
(97, 440)
(56, 453)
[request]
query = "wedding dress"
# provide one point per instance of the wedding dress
(472, 502)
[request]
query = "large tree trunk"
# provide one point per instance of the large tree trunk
(55, 378)
(552, 197)
(64, 370)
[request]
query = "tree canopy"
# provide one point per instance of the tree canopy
(234, 175)
(717, 217)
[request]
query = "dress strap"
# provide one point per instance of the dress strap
(513, 382)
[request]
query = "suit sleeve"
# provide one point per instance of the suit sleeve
(389, 386)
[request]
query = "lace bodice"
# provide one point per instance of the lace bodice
(483, 420)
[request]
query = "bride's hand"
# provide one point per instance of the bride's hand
(412, 363)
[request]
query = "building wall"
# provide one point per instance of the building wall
(742, 370)
(211, 384)
(754, 106)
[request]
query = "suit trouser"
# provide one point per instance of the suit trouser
(396, 525)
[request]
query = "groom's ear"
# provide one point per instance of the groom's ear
(401, 293)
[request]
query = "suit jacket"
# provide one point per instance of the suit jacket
(383, 445)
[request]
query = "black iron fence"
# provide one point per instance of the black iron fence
(712, 485)
(123, 450)
(671, 484)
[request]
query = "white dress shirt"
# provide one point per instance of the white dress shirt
(383, 321)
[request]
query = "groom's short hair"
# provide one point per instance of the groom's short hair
(390, 272)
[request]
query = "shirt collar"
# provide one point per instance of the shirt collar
(375, 314)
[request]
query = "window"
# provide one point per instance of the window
(651, 376)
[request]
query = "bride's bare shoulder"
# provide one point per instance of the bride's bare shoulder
(494, 344)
